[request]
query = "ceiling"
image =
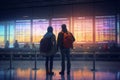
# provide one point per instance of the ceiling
(17, 9)
(11, 4)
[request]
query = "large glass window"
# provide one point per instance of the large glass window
(23, 30)
(57, 22)
(10, 32)
(83, 29)
(6, 32)
(2, 34)
(118, 29)
(105, 28)
(39, 29)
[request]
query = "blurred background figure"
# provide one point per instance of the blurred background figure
(33, 46)
(105, 47)
(7, 44)
(26, 45)
(16, 44)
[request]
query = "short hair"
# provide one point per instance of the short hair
(50, 29)
(64, 28)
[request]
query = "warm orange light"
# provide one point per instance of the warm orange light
(78, 74)
(83, 29)
(25, 74)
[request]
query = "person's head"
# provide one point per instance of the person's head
(33, 44)
(50, 29)
(64, 29)
(7, 41)
(16, 41)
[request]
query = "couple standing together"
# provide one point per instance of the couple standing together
(63, 44)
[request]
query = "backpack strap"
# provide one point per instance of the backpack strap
(65, 32)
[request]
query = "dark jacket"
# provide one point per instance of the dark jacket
(60, 40)
(54, 48)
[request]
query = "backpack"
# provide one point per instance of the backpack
(46, 45)
(67, 40)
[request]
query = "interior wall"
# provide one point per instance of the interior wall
(42, 12)
(88, 9)
(62, 11)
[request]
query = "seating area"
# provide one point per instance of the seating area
(83, 54)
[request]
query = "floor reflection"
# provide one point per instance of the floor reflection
(49, 77)
(29, 74)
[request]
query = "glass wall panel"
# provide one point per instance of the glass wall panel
(118, 29)
(83, 29)
(10, 32)
(23, 30)
(2, 34)
(105, 28)
(57, 22)
(39, 29)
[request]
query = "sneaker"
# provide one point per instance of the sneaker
(61, 73)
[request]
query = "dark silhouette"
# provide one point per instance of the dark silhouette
(16, 45)
(50, 55)
(114, 47)
(33, 46)
(26, 45)
(7, 44)
(105, 47)
(64, 51)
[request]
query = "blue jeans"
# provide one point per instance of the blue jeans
(49, 63)
(65, 53)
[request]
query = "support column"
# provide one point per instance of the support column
(94, 29)
(31, 32)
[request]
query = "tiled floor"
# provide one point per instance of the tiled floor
(80, 70)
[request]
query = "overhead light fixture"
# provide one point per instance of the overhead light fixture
(25, 16)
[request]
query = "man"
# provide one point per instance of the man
(16, 45)
(64, 45)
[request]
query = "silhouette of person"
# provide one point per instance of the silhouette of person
(33, 46)
(15, 44)
(27, 46)
(62, 77)
(50, 55)
(7, 44)
(105, 47)
(114, 46)
(65, 52)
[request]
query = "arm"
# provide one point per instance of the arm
(73, 37)
(59, 40)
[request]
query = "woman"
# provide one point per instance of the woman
(50, 55)
(16, 45)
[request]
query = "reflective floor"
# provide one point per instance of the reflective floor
(80, 70)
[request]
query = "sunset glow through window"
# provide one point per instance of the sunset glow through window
(32, 31)
(39, 29)
(83, 29)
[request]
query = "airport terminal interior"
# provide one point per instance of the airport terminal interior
(95, 25)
